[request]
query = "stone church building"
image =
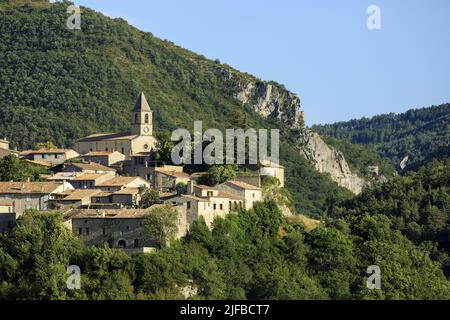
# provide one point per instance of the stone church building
(138, 140)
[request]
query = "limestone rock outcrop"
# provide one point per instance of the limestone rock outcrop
(271, 101)
(329, 160)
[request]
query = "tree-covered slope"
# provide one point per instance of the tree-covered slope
(415, 133)
(58, 85)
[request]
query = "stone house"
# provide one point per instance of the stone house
(163, 178)
(73, 198)
(126, 197)
(119, 228)
(247, 193)
(104, 158)
(87, 167)
(91, 180)
(31, 195)
(50, 156)
(138, 139)
(119, 183)
(206, 202)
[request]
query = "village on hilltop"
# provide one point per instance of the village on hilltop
(100, 186)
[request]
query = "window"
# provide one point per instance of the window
(122, 244)
(209, 193)
(253, 195)
(106, 149)
(9, 225)
(104, 231)
(135, 118)
(58, 156)
(188, 204)
(214, 206)
(146, 118)
(123, 150)
(45, 156)
(136, 243)
(87, 231)
(221, 206)
(80, 231)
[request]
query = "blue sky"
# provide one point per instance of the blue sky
(321, 50)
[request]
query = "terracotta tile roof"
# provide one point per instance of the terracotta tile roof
(108, 137)
(242, 185)
(79, 194)
(98, 154)
(41, 151)
(227, 196)
(29, 187)
(203, 199)
(119, 181)
(172, 173)
(128, 191)
(102, 194)
(201, 186)
(39, 163)
(90, 176)
(105, 213)
(92, 166)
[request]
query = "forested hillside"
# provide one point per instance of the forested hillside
(58, 85)
(415, 133)
(402, 227)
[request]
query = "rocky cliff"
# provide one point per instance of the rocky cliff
(329, 160)
(273, 101)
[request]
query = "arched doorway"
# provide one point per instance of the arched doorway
(122, 243)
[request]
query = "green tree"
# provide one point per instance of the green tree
(149, 197)
(161, 224)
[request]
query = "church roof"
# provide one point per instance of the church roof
(108, 137)
(141, 104)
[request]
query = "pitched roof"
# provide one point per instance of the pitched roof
(79, 194)
(89, 176)
(227, 196)
(42, 151)
(29, 187)
(97, 154)
(242, 185)
(119, 181)
(172, 173)
(108, 137)
(141, 104)
(128, 191)
(91, 166)
(105, 213)
(39, 163)
(62, 176)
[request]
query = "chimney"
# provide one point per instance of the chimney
(190, 187)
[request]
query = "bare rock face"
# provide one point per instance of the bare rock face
(274, 101)
(329, 160)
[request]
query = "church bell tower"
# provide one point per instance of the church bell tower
(142, 117)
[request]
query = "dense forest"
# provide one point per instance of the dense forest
(402, 227)
(415, 133)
